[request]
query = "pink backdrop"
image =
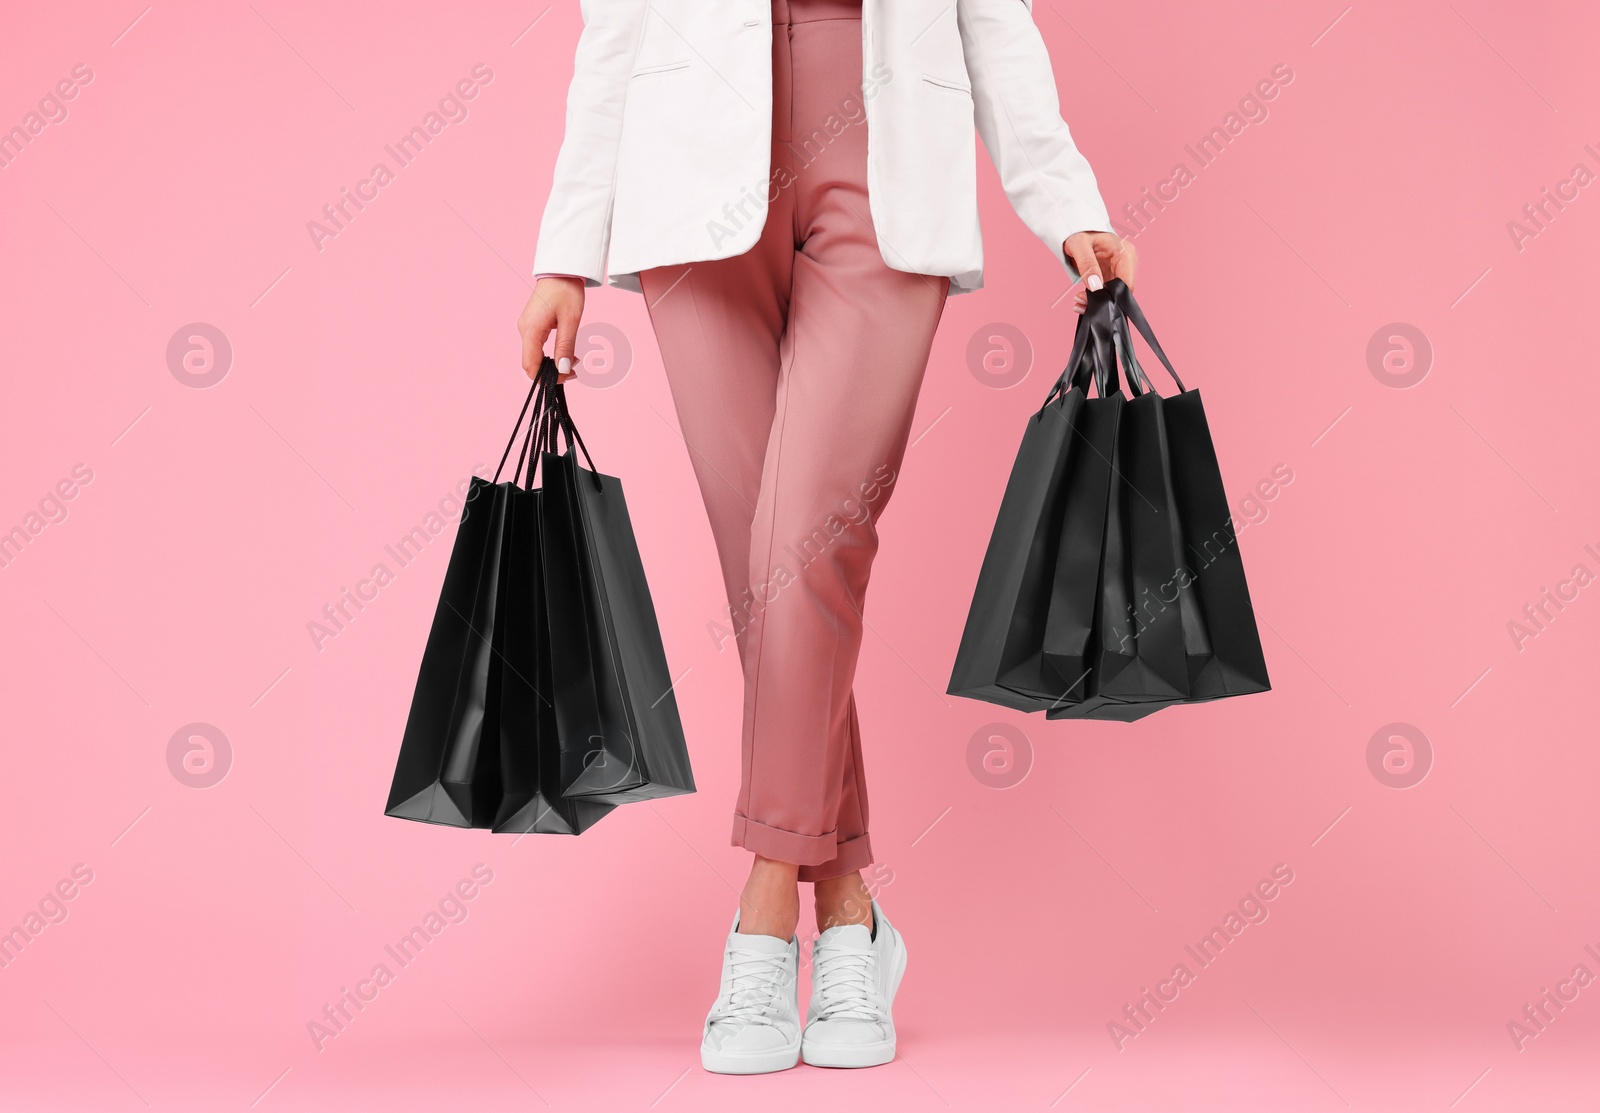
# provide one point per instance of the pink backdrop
(215, 421)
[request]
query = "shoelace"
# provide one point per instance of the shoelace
(754, 981)
(844, 985)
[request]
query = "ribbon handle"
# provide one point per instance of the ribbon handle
(1130, 311)
(547, 399)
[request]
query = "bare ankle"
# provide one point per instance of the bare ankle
(765, 920)
(770, 903)
(843, 900)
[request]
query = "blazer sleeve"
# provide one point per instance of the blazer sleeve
(575, 231)
(1046, 177)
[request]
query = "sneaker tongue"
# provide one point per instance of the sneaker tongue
(849, 937)
(760, 944)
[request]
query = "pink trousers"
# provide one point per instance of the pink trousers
(795, 369)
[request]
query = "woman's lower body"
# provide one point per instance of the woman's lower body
(795, 369)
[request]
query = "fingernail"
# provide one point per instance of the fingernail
(1094, 282)
(564, 365)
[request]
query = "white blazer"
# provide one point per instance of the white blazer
(667, 152)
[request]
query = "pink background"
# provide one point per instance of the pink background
(369, 377)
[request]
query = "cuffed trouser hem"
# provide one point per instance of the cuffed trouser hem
(853, 855)
(818, 856)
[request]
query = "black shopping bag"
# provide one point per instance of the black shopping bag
(1087, 614)
(612, 690)
(1146, 617)
(1230, 661)
(1099, 638)
(479, 748)
(1116, 614)
(445, 773)
(1001, 658)
(1155, 667)
(1189, 608)
(530, 742)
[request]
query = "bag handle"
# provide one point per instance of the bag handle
(533, 391)
(1129, 309)
(1093, 354)
(1101, 358)
(555, 419)
(1138, 382)
(547, 398)
(538, 428)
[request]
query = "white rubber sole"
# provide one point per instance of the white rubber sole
(856, 1055)
(764, 1062)
(865, 1054)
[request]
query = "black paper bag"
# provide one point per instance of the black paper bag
(1001, 658)
(480, 747)
(612, 690)
(530, 742)
(1203, 596)
(1228, 661)
(448, 770)
(1234, 665)
(1147, 605)
(1071, 646)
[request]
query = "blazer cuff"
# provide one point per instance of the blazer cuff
(552, 258)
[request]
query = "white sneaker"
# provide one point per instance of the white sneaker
(754, 1026)
(855, 973)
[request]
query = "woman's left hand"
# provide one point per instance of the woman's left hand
(1099, 257)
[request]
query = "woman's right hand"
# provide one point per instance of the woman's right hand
(555, 304)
